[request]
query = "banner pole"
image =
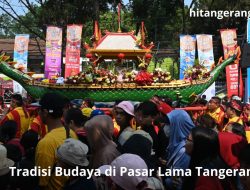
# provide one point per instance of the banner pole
(248, 68)
(239, 67)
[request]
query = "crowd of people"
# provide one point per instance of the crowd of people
(151, 135)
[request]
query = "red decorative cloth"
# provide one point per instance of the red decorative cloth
(164, 108)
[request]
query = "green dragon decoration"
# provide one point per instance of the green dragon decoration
(108, 93)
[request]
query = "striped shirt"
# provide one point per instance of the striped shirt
(38, 126)
(18, 115)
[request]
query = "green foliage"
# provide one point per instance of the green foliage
(109, 21)
(33, 24)
(6, 24)
(167, 64)
(59, 13)
(164, 20)
(151, 67)
(171, 66)
(212, 24)
(161, 18)
(158, 65)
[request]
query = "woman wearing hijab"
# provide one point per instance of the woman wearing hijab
(124, 180)
(180, 127)
(99, 134)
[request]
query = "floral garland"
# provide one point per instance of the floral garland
(196, 72)
(160, 76)
(107, 77)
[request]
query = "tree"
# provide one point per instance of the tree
(163, 19)
(38, 14)
(7, 26)
(54, 12)
(212, 24)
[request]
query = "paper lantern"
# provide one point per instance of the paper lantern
(89, 55)
(148, 56)
(121, 55)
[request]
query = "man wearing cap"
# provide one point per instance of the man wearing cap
(233, 111)
(215, 111)
(51, 112)
(235, 97)
(5, 164)
(124, 112)
(71, 154)
(96, 112)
